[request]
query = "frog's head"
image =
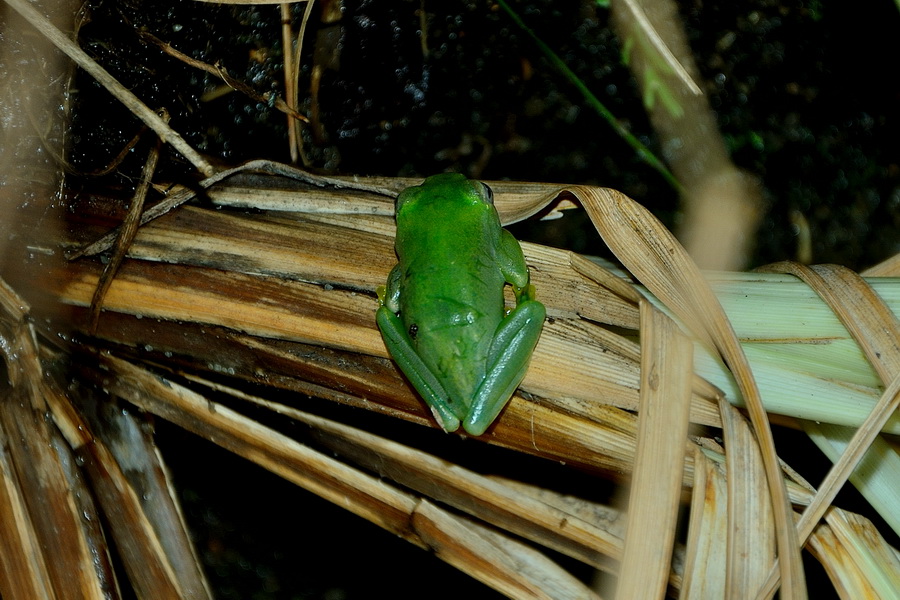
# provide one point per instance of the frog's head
(446, 189)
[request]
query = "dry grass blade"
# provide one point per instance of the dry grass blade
(888, 268)
(146, 524)
(805, 362)
(509, 567)
(706, 549)
(877, 330)
(341, 319)
(868, 551)
(23, 570)
(666, 373)
(516, 200)
(875, 476)
(855, 449)
(142, 498)
(286, 302)
(326, 477)
(850, 581)
(751, 531)
(653, 255)
(44, 467)
(350, 260)
(863, 313)
(44, 497)
(182, 196)
(147, 563)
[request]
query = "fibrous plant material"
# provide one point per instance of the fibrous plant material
(285, 301)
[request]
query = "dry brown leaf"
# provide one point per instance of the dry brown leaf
(655, 490)
(656, 259)
(876, 330)
(506, 565)
(706, 549)
(496, 560)
(872, 555)
(751, 527)
(850, 581)
(59, 502)
(23, 568)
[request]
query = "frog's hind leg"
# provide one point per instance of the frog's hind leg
(507, 363)
(417, 372)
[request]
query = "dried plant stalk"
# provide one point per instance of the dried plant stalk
(495, 559)
(663, 415)
(54, 507)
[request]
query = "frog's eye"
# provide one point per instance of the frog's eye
(488, 193)
(399, 201)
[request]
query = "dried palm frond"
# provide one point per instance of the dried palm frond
(261, 306)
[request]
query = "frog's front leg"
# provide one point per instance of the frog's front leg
(398, 343)
(507, 363)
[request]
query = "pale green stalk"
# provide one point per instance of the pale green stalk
(877, 474)
(808, 366)
(806, 363)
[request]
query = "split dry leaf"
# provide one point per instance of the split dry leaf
(53, 506)
(655, 491)
(498, 560)
(655, 258)
(750, 550)
(707, 539)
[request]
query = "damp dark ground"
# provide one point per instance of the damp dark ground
(806, 95)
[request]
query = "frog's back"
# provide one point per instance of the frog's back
(451, 288)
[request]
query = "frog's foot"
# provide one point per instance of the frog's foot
(508, 359)
(417, 372)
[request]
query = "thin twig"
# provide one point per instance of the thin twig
(120, 157)
(640, 18)
(261, 166)
(295, 76)
(127, 231)
(223, 74)
(290, 85)
(123, 94)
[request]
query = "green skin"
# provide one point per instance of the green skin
(442, 313)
